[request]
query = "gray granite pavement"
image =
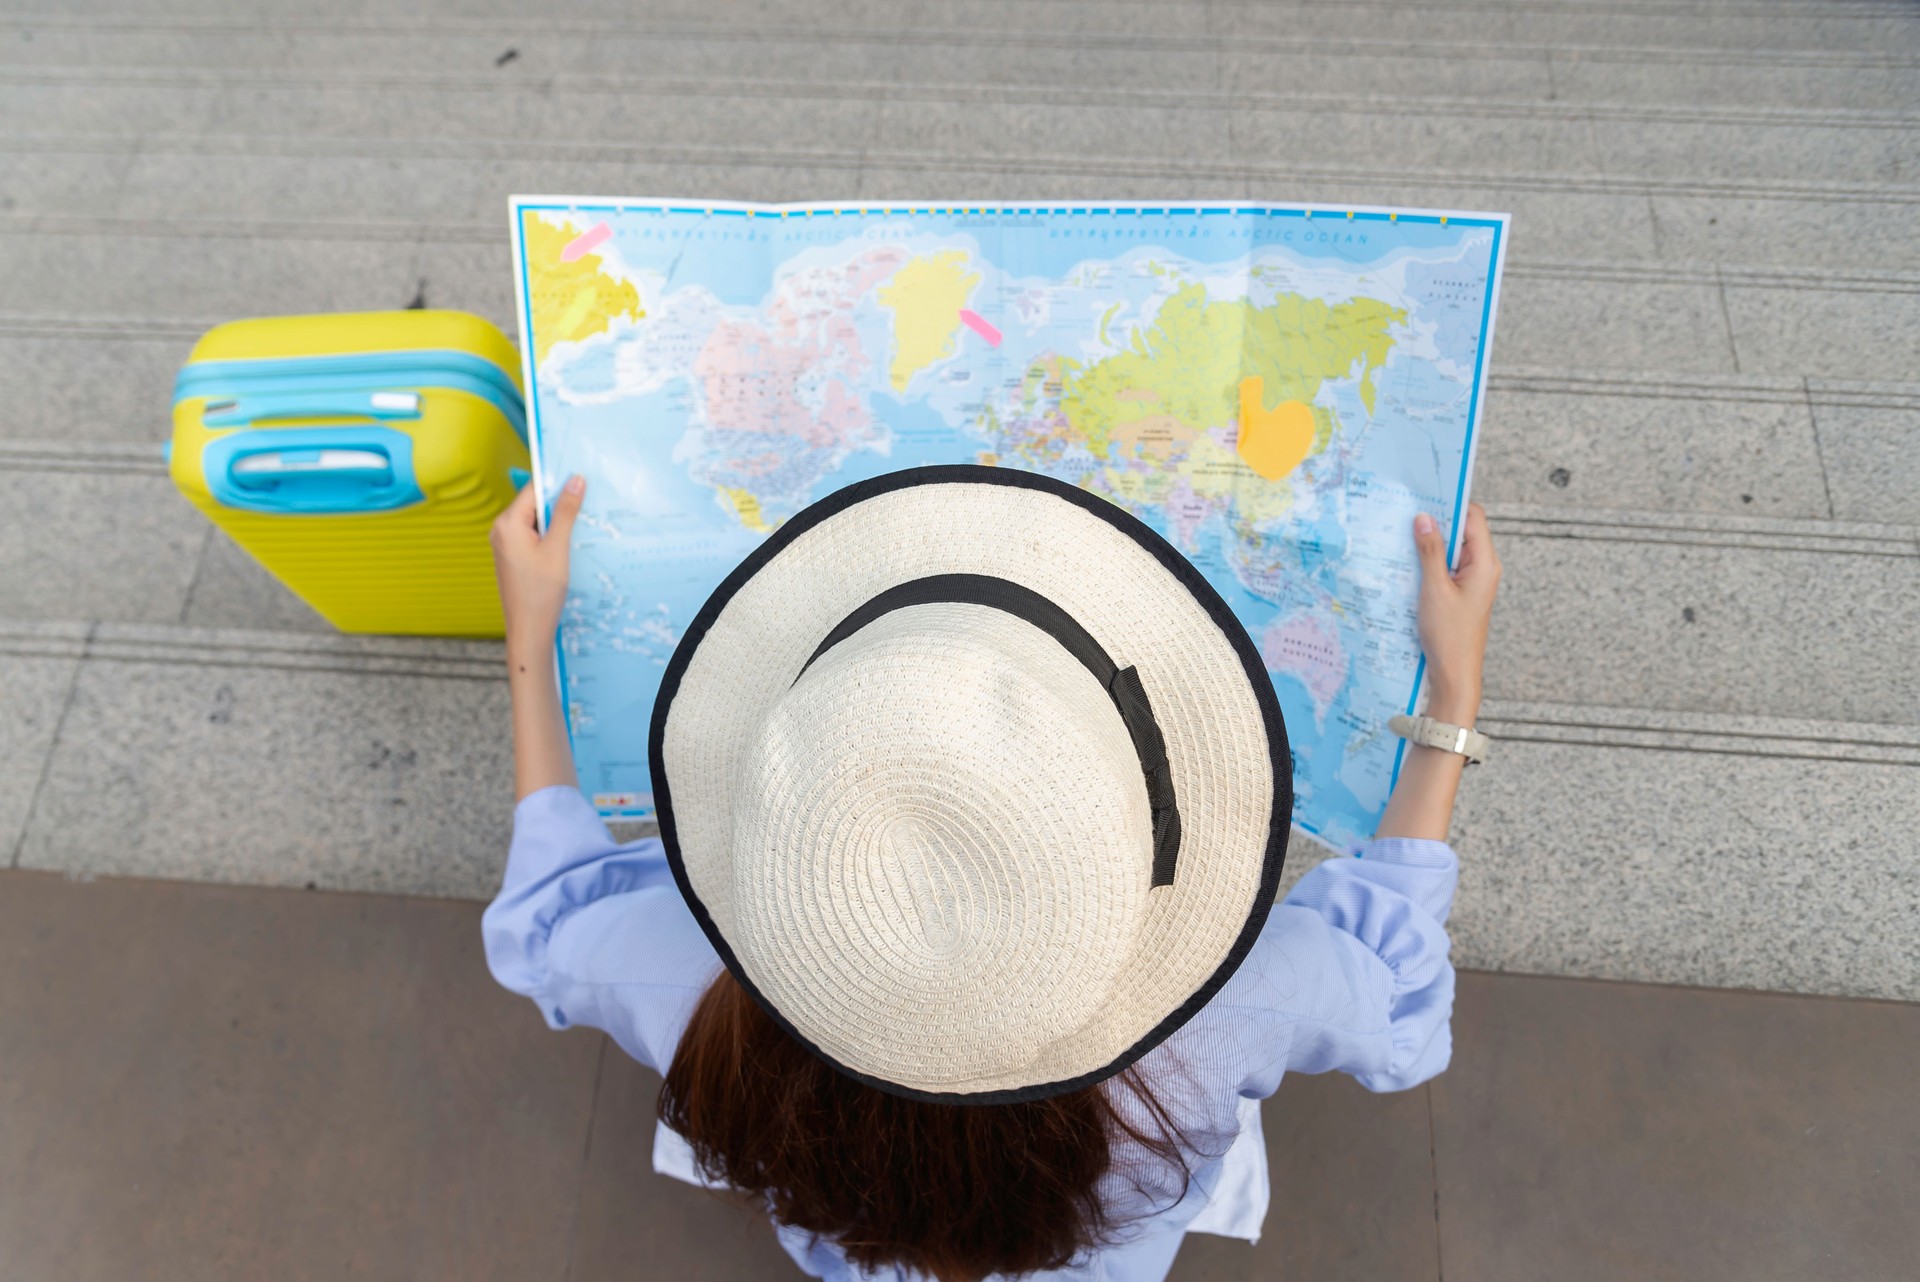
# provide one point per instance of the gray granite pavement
(276, 758)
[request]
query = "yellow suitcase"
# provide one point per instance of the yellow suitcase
(360, 458)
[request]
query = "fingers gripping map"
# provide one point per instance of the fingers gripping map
(1277, 390)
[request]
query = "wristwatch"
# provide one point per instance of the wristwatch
(1443, 735)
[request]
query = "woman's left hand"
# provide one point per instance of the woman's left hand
(533, 567)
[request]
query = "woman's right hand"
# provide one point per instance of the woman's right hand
(532, 567)
(1455, 609)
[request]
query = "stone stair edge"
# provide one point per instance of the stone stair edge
(1159, 169)
(1863, 743)
(840, 89)
(1798, 534)
(248, 647)
(754, 25)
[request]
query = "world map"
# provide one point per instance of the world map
(1276, 389)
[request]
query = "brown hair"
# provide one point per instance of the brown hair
(952, 1190)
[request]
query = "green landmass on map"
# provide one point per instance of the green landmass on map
(1181, 375)
(1156, 410)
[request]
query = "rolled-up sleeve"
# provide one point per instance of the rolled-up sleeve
(594, 932)
(1388, 1022)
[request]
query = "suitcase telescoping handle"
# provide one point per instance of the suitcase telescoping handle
(254, 407)
(322, 470)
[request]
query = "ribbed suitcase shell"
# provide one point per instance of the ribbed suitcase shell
(280, 427)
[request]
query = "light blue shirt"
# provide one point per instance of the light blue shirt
(1350, 973)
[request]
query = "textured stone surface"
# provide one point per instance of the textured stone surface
(1368, 68)
(1825, 150)
(402, 107)
(110, 383)
(1547, 141)
(1081, 128)
(1575, 317)
(281, 761)
(1593, 442)
(1712, 733)
(1763, 29)
(1824, 160)
(1069, 131)
(1870, 331)
(1870, 444)
(447, 188)
(1866, 86)
(218, 271)
(1840, 231)
(36, 674)
(630, 53)
(1691, 867)
(450, 183)
(1706, 627)
(881, 181)
(605, 34)
(232, 590)
(95, 545)
(1559, 215)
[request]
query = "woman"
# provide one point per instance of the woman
(958, 947)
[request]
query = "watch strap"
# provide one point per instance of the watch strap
(1444, 735)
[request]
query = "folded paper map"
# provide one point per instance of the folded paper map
(1276, 389)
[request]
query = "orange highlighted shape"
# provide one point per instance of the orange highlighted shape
(1273, 441)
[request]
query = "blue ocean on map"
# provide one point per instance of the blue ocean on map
(1277, 390)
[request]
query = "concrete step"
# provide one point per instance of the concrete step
(1745, 616)
(62, 180)
(258, 757)
(1809, 447)
(1605, 842)
(1698, 319)
(1535, 44)
(1731, 852)
(1214, 123)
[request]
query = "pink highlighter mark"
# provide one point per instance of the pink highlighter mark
(586, 242)
(980, 325)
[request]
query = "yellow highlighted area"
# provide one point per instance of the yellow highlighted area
(570, 301)
(925, 297)
(746, 507)
(577, 313)
(1273, 441)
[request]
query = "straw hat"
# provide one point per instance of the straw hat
(973, 782)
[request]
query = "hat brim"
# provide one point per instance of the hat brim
(1226, 741)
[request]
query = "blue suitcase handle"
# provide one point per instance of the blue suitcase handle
(238, 411)
(313, 471)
